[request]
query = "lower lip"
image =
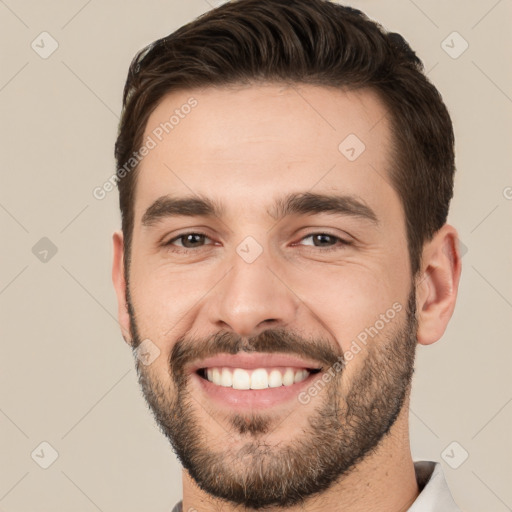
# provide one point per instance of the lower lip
(253, 398)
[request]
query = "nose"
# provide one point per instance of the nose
(252, 297)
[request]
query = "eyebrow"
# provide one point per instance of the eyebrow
(306, 203)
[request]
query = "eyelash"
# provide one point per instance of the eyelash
(178, 249)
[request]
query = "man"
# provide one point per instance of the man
(285, 171)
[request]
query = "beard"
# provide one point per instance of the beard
(348, 422)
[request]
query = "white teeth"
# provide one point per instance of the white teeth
(300, 376)
(288, 377)
(275, 379)
(260, 378)
(241, 379)
(226, 379)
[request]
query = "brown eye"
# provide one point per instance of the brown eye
(188, 240)
(325, 240)
(322, 239)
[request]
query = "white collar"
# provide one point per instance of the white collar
(434, 493)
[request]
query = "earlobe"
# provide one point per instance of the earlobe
(436, 290)
(118, 279)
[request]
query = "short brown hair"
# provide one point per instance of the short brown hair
(314, 42)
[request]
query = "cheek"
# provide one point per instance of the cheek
(165, 301)
(350, 302)
(163, 294)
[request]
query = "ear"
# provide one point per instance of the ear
(118, 278)
(438, 283)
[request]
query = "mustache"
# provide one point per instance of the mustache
(186, 350)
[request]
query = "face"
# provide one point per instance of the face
(270, 273)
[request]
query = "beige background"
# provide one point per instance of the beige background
(67, 377)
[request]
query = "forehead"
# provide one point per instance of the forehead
(246, 143)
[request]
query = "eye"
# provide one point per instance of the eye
(196, 240)
(326, 240)
(190, 240)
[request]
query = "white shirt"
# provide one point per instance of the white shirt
(434, 493)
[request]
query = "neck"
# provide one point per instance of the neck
(384, 481)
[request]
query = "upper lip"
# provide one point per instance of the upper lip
(251, 361)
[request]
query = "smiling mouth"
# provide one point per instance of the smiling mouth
(257, 378)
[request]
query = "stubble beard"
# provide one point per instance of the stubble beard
(243, 466)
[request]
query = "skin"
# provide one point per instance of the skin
(244, 147)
